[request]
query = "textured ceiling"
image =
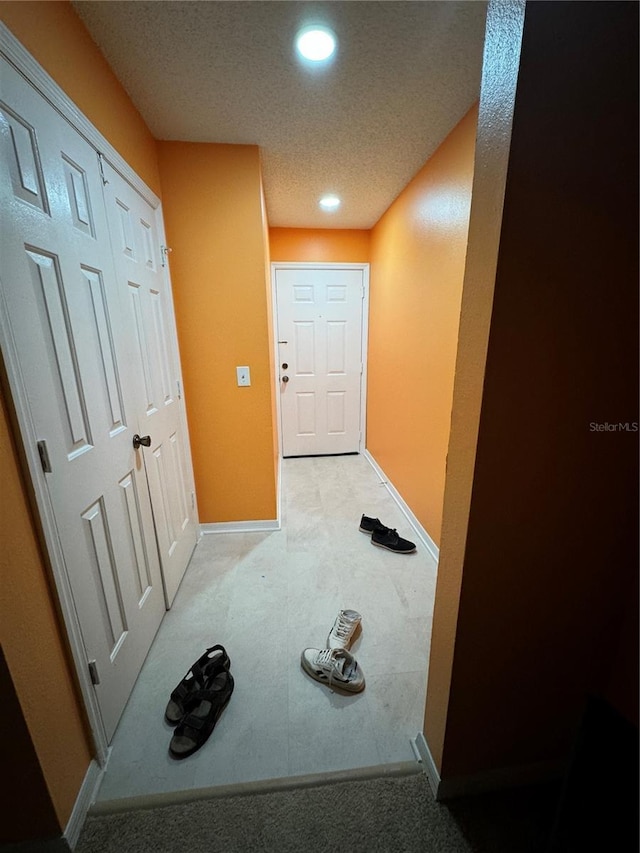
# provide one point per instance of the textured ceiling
(404, 75)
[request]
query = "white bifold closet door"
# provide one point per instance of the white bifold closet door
(96, 355)
(152, 353)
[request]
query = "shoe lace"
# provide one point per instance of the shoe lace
(343, 627)
(391, 532)
(329, 658)
(324, 656)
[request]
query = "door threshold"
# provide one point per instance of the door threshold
(323, 455)
(262, 786)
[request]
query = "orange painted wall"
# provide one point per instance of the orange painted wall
(418, 253)
(214, 219)
(320, 245)
(57, 38)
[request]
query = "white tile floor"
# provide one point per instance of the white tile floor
(265, 597)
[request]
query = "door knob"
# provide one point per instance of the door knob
(285, 378)
(141, 441)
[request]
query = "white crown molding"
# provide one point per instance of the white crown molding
(34, 73)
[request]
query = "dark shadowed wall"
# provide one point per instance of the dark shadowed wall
(551, 551)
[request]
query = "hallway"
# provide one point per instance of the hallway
(265, 597)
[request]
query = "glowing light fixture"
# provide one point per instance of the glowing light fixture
(329, 202)
(316, 44)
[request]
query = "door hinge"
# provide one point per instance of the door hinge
(179, 389)
(93, 672)
(164, 251)
(44, 457)
(193, 500)
(101, 164)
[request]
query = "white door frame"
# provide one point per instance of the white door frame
(21, 59)
(292, 265)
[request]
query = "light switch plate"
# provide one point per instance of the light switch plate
(243, 376)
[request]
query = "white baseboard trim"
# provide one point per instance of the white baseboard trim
(240, 526)
(86, 796)
(489, 780)
(279, 491)
(428, 764)
(422, 534)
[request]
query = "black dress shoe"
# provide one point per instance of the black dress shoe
(386, 537)
(368, 525)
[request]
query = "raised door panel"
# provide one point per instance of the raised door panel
(109, 374)
(336, 341)
(106, 580)
(136, 539)
(50, 296)
(305, 424)
(304, 353)
(21, 156)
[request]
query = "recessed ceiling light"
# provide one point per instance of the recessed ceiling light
(316, 44)
(329, 202)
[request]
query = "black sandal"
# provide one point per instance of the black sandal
(206, 667)
(196, 726)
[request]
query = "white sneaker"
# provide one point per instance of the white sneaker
(346, 624)
(335, 667)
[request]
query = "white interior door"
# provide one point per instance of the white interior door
(153, 356)
(320, 347)
(68, 333)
